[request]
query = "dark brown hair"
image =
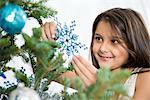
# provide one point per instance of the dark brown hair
(130, 25)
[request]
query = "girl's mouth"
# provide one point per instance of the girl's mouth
(105, 58)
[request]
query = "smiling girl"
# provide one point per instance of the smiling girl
(120, 40)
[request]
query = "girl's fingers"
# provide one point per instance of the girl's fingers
(90, 67)
(52, 27)
(83, 68)
(43, 34)
(47, 30)
(83, 72)
(81, 75)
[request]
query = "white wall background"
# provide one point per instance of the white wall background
(85, 11)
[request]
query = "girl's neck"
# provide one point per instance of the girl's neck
(115, 69)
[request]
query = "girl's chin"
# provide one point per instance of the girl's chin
(108, 66)
(104, 65)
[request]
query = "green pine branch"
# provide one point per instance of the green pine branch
(3, 2)
(23, 78)
(7, 49)
(37, 9)
(109, 86)
(7, 91)
(48, 65)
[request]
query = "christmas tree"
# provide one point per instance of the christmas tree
(42, 55)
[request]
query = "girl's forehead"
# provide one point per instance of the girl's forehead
(105, 28)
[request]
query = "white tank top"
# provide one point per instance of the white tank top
(130, 85)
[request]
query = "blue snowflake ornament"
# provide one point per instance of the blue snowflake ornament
(70, 44)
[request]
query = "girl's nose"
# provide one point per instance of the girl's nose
(104, 47)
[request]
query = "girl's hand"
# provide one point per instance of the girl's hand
(49, 31)
(84, 70)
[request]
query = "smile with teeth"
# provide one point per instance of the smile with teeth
(105, 58)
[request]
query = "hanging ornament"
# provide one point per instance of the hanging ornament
(12, 18)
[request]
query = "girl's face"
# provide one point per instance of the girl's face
(108, 47)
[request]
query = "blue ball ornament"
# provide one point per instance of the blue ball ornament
(12, 18)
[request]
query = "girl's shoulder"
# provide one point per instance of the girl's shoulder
(142, 84)
(143, 76)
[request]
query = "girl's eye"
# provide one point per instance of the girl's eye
(99, 39)
(115, 41)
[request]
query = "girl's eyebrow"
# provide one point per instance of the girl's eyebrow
(98, 34)
(117, 37)
(112, 37)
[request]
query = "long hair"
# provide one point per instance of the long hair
(130, 25)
